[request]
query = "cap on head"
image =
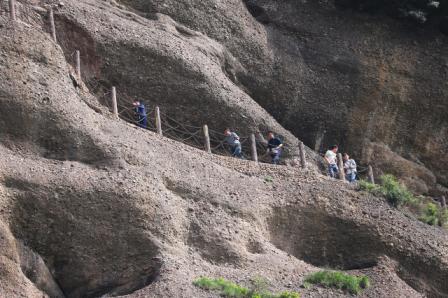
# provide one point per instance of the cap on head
(334, 147)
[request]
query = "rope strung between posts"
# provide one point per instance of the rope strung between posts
(171, 127)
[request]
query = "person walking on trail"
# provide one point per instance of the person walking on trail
(350, 168)
(140, 114)
(233, 140)
(331, 159)
(275, 146)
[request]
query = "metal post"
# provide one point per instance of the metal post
(114, 102)
(371, 179)
(12, 9)
(341, 167)
(253, 148)
(52, 25)
(78, 63)
(207, 139)
(302, 155)
(158, 121)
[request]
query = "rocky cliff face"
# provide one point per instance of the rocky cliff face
(374, 85)
(92, 206)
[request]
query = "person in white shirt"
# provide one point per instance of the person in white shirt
(331, 159)
(350, 168)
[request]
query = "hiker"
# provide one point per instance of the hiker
(233, 140)
(275, 146)
(140, 114)
(331, 159)
(350, 168)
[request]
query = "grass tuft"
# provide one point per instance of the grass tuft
(229, 289)
(339, 280)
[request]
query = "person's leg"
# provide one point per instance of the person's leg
(144, 122)
(336, 171)
(276, 158)
(348, 177)
(237, 152)
(331, 171)
(232, 150)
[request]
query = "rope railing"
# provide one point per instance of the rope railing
(174, 129)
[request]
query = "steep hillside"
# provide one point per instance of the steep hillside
(376, 86)
(93, 206)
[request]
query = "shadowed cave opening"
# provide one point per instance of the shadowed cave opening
(323, 240)
(258, 12)
(329, 241)
(91, 241)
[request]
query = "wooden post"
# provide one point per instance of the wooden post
(341, 167)
(158, 121)
(114, 102)
(12, 9)
(78, 63)
(302, 155)
(443, 202)
(52, 25)
(371, 179)
(253, 148)
(207, 140)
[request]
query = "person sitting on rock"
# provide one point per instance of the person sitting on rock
(140, 114)
(331, 158)
(350, 168)
(233, 140)
(275, 146)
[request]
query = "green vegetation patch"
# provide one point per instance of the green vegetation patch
(434, 215)
(396, 193)
(339, 280)
(229, 289)
(399, 196)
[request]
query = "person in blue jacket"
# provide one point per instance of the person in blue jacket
(140, 114)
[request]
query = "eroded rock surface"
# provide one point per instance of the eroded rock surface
(92, 206)
(335, 76)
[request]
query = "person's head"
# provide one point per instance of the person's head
(227, 132)
(271, 135)
(136, 103)
(334, 148)
(346, 156)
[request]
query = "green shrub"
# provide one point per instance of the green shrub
(443, 218)
(339, 280)
(396, 193)
(228, 289)
(370, 187)
(430, 214)
(434, 215)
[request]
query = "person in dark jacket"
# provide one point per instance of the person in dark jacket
(140, 114)
(275, 146)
